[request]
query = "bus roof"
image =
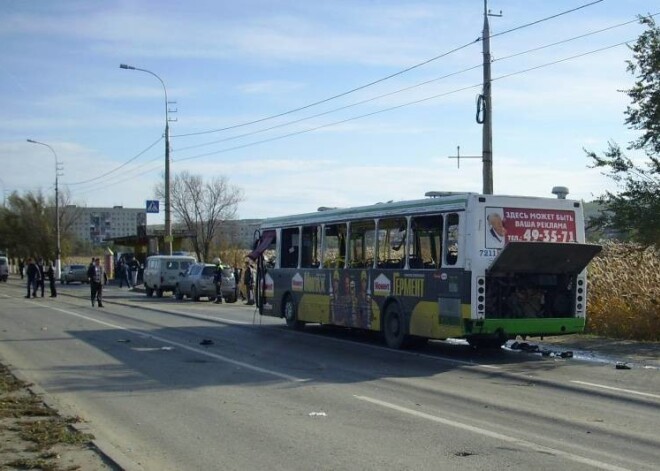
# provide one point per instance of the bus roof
(443, 202)
(378, 210)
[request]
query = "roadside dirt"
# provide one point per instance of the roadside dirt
(35, 437)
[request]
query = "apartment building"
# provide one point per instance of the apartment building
(96, 225)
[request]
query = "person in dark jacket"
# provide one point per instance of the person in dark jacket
(123, 274)
(32, 273)
(50, 273)
(96, 275)
(217, 279)
(248, 281)
(21, 267)
(42, 276)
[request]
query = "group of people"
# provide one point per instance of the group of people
(246, 276)
(123, 271)
(36, 277)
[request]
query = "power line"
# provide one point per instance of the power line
(116, 179)
(545, 19)
(408, 69)
(117, 168)
(332, 97)
(334, 110)
(399, 106)
(477, 85)
(364, 101)
(338, 96)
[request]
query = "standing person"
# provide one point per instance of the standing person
(123, 273)
(32, 273)
(96, 276)
(217, 279)
(21, 266)
(42, 276)
(50, 273)
(248, 281)
(237, 277)
(134, 271)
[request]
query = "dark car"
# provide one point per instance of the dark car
(71, 273)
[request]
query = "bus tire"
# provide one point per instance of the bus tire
(291, 315)
(394, 327)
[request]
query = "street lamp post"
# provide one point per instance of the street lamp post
(58, 266)
(168, 221)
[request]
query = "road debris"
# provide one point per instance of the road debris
(206, 342)
(318, 414)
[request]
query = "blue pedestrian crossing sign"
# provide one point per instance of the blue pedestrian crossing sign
(152, 206)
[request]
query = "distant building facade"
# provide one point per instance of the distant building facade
(97, 225)
(239, 233)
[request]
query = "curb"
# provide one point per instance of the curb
(116, 459)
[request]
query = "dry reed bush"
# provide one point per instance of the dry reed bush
(624, 293)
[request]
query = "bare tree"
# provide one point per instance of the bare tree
(201, 207)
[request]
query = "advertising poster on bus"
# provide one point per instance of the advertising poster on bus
(504, 225)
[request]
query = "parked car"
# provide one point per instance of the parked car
(72, 273)
(197, 282)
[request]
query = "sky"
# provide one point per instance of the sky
(304, 104)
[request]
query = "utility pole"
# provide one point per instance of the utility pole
(484, 113)
(487, 130)
(168, 219)
(58, 252)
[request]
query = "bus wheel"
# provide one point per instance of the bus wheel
(394, 327)
(290, 314)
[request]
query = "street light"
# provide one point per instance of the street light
(57, 208)
(168, 221)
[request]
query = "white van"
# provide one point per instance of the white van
(161, 272)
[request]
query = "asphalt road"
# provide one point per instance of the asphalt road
(178, 385)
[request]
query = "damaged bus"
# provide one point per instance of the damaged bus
(485, 268)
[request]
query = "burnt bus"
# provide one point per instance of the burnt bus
(486, 268)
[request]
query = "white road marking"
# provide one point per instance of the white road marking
(185, 347)
(495, 435)
(611, 388)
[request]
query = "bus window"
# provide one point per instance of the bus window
(362, 244)
(334, 251)
(391, 242)
(311, 247)
(290, 247)
(426, 248)
(451, 239)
